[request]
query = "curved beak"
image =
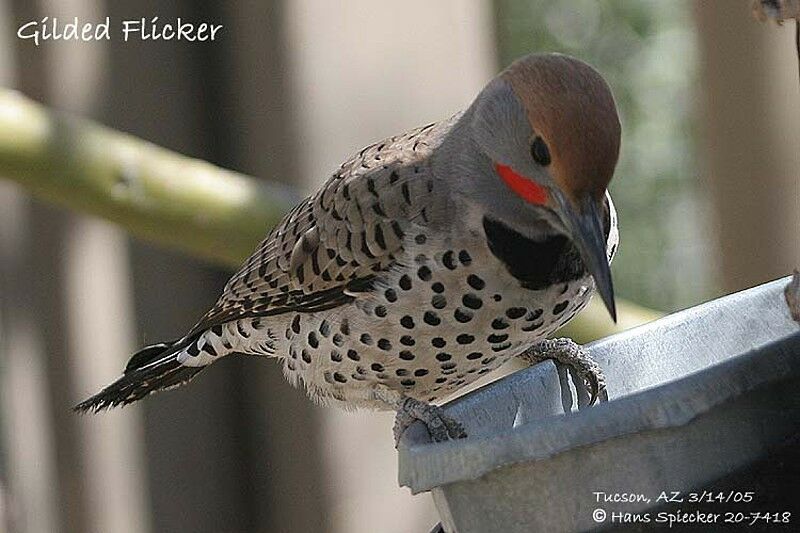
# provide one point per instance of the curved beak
(586, 225)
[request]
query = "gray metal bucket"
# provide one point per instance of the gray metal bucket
(693, 396)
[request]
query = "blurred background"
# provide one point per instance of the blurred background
(708, 193)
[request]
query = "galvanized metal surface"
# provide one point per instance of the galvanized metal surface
(692, 396)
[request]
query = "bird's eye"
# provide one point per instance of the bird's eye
(540, 152)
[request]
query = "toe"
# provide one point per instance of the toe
(603, 396)
(446, 428)
(594, 387)
(454, 429)
(438, 429)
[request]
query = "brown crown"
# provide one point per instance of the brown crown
(571, 107)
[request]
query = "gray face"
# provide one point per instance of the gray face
(565, 106)
(493, 131)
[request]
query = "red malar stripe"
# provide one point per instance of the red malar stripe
(526, 189)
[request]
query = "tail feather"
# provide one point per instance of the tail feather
(151, 369)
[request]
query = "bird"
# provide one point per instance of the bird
(428, 259)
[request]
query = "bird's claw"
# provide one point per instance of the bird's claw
(440, 426)
(595, 383)
(577, 359)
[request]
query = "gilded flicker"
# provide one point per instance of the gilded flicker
(427, 259)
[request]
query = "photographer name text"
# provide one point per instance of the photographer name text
(140, 29)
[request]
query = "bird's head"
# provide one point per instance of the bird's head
(547, 135)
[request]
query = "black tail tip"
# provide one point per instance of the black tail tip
(137, 383)
(99, 402)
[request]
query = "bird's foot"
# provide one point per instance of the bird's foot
(440, 426)
(574, 356)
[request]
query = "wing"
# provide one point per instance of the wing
(331, 246)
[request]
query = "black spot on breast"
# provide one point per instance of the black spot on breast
(384, 344)
(560, 307)
(495, 338)
(462, 315)
(405, 355)
(437, 287)
(377, 367)
(353, 355)
(448, 260)
(400, 372)
(405, 282)
(407, 340)
(438, 301)
(536, 264)
(532, 327)
(443, 356)
(465, 338)
(340, 378)
(390, 295)
(499, 323)
(408, 383)
(420, 372)
(475, 282)
(474, 355)
(438, 342)
(312, 340)
(431, 318)
(380, 311)
(338, 340)
(515, 312)
(324, 328)
(407, 322)
(472, 301)
(366, 338)
(464, 257)
(336, 356)
(441, 380)
(424, 273)
(296, 324)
